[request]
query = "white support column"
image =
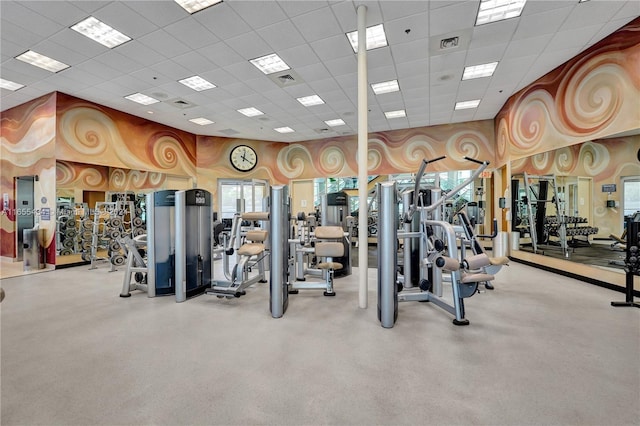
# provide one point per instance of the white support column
(363, 138)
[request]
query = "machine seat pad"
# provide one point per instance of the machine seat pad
(502, 260)
(251, 249)
(256, 235)
(329, 249)
(255, 216)
(330, 265)
(475, 278)
(329, 232)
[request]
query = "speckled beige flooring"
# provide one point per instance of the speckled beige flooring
(541, 349)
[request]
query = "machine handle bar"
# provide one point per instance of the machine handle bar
(494, 233)
(476, 161)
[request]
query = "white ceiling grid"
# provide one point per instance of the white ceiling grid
(217, 43)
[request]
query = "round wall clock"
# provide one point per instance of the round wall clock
(243, 158)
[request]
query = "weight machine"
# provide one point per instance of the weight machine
(430, 248)
(251, 253)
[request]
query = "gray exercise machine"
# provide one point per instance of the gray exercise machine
(177, 246)
(249, 254)
(437, 258)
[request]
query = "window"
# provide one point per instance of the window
(252, 192)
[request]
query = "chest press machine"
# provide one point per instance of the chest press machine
(251, 253)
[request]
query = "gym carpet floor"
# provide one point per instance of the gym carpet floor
(541, 349)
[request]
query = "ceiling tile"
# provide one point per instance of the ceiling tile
(492, 34)
(140, 53)
(244, 71)
(416, 68)
(220, 54)
(160, 13)
(409, 52)
(123, 63)
(281, 36)
(259, 14)
(249, 45)
(317, 24)
(564, 40)
(314, 72)
(222, 20)
(378, 58)
(525, 46)
(542, 23)
(454, 17)
(392, 10)
(192, 33)
(483, 55)
(332, 47)
(417, 25)
(125, 19)
(299, 56)
(342, 66)
(30, 22)
(162, 41)
(66, 16)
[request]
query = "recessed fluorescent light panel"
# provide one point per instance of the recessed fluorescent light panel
(250, 112)
(284, 130)
(41, 61)
(10, 85)
(395, 114)
(375, 38)
(467, 104)
(197, 83)
(497, 10)
(201, 121)
(310, 100)
(336, 122)
(193, 6)
(385, 87)
(99, 31)
(269, 64)
(142, 99)
(479, 71)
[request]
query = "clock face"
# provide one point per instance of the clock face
(243, 158)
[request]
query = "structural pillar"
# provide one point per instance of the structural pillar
(363, 125)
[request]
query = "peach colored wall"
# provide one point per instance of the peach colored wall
(27, 143)
(593, 95)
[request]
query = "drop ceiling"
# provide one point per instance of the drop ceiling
(217, 43)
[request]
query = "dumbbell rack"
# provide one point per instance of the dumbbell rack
(99, 238)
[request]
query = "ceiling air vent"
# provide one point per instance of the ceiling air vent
(322, 131)
(180, 103)
(286, 78)
(449, 43)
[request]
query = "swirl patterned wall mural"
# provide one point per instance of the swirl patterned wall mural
(591, 96)
(605, 161)
(397, 151)
(27, 144)
(81, 176)
(92, 134)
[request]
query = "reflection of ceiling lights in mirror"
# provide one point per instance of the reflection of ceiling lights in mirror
(201, 121)
(141, 99)
(250, 112)
(310, 100)
(193, 6)
(269, 64)
(41, 61)
(497, 10)
(479, 71)
(99, 31)
(10, 85)
(467, 104)
(197, 83)
(385, 87)
(376, 37)
(284, 130)
(395, 114)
